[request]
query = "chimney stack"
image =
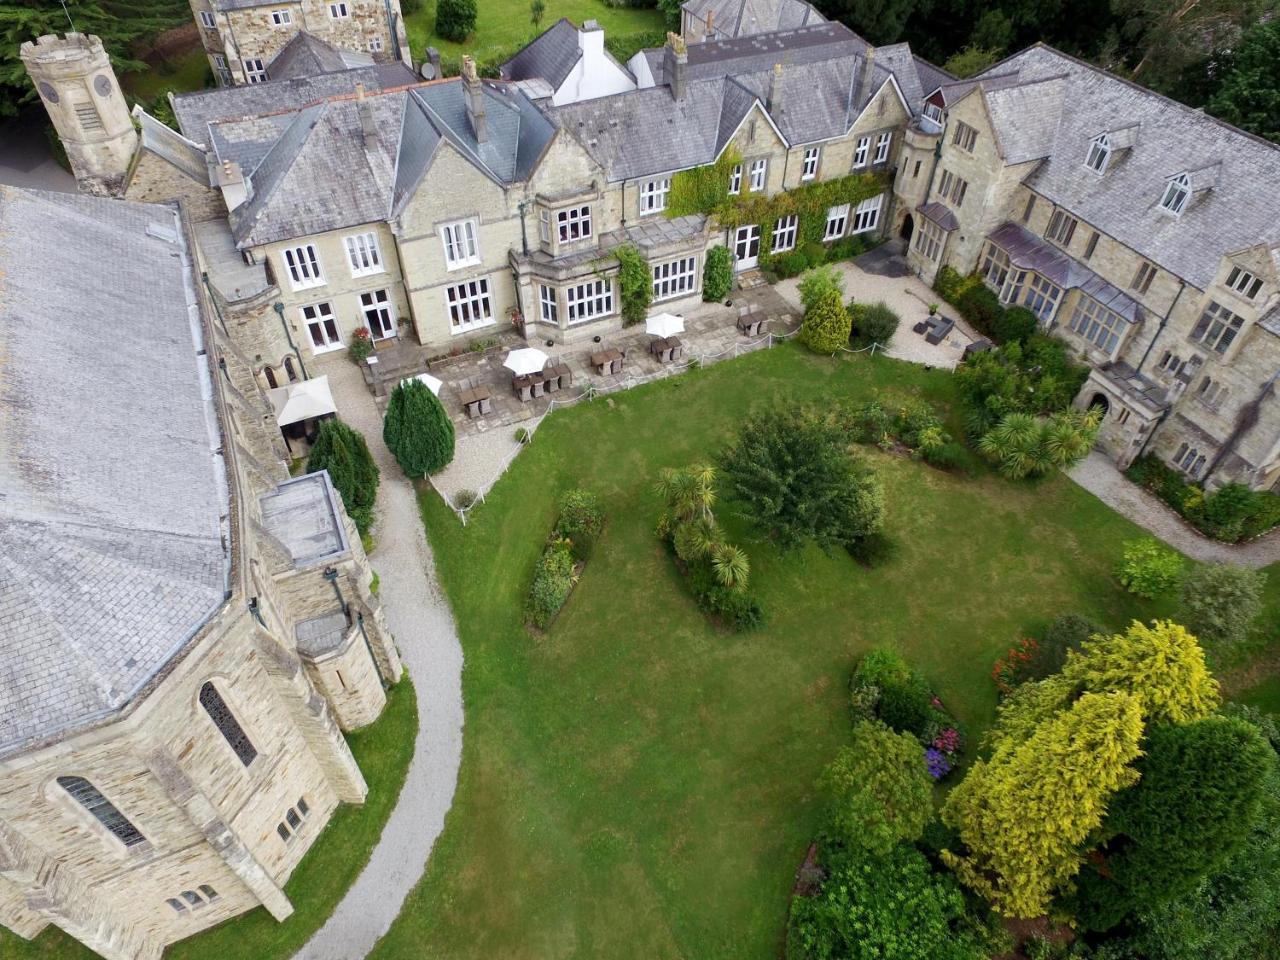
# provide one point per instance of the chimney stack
(674, 58)
(367, 127)
(775, 90)
(710, 32)
(867, 70)
(433, 58)
(473, 93)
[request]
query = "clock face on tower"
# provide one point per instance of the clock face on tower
(50, 94)
(102, 86)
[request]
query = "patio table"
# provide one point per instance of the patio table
(610, 358)
(475, 400)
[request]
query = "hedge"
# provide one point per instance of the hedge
(980, 306)
(1232, 513)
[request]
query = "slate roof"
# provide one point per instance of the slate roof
(740, 18)
(1233, 173)
(313, 170)
(550, 56)
(1136, 386)
(940, 214)
(307, 55)
(113, 496)
(195, 111)
(1030, 252)
(172, 147)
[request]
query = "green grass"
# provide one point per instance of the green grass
(187, 72)
(502, 26)
(1264, 695)
(329, 868)
(638, 785)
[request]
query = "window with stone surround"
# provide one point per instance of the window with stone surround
(965, 136)
(1042, 297)
(784, 234)
(461, 243)
(675, 278)
(255, 71)
(281, 18)
(302, 264)
(469, 305)
(288, 828)
(1062, 227)
(1212, 393)
(322, 327)
(995, 267)
(1142, 277)
(207, 21)
(1189, 460)
(883, 141)
(363, 254)
(1091, 246)
(339, 10)
(1244, 283)
(861, 152)
(929, 240)
(953, 188)
(227, 724)
(590, 300)
(1217, 327)
(573, 224)
(866, 216)
(1029, 209)
(375, 44)
(549, 311)
(1100, 326)
(735, 180)
(837, 220)
(756, 175)
(653, 195)
(809, 166)
(103, 810)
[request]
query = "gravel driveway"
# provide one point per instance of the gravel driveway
(420, 619)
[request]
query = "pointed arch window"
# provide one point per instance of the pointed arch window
(103, 810)
(1099, 154)
(1176, 193)
(227, 724)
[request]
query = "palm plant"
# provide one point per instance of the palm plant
(730, 565)
(1014, 444)
(690, 493)
(696, 539)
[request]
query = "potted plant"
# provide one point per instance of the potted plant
(361, 346)
(933, 309)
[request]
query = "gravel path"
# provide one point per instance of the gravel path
(1100, 477)
(477, 462)
(420, 619)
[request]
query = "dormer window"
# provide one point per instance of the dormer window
(1176, 192)
(1099, 154)
(1244, 283)
(933, 112)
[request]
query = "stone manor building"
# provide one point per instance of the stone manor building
(186, 630)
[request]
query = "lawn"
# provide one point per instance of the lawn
(503, 26)
(636, 784)
(185, 73)
(329, 868)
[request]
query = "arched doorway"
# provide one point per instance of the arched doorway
(271, 377)
(1101, 404)
(908, 227)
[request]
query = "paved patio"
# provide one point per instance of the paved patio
(710, 333)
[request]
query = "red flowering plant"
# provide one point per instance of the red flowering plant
(1013, 668)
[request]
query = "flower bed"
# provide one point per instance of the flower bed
(579, 525)
(886, 688)
(1232, 513)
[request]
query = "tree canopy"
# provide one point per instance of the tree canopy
(342, 451)
(417, 430)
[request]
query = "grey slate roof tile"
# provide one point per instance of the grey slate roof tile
(550, 56)
(172, 147)
(304, 56)
(112, 494)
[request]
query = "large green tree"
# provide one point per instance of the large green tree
(1249, 95)
(122, 25)
(882, 908)
(417, 430)
(1024, 815)
(793, 472)
(1199, 794)
(1165, 37)
(1220, 602)
(877, 790)
(342, 451)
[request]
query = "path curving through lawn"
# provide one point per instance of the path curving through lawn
(425, 633)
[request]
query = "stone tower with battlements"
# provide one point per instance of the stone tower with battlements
(79, 89)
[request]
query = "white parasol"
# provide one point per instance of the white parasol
(432, 383)
(301, 401)
(525, 360)
(664, 325)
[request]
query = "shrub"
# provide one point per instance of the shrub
(343, 452)
(360, 347)
(873, 550)
(843, 249)
(410, 7)
(981, 307)
(947, 456)
(455, 19)
(1220, 602)
(1014, 668)
(1023, 445)
(552, 581)
(522, 435)
(1149, 569)
(1067, 633)
(1014, 324)
(417, 430)
(918, 426)
(635, 284)
(790, 264)
(792, 471)
(1037, 377)
(869, 423)
(818, 283)
(1232, 513)
(826, 324)
(872, 323)
(717, 274)
(904, 700)
(581, 520)
(464, 499)
(950, 284)
(1223, 513)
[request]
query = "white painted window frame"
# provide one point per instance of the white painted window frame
(364, 256)
(322, 318)
(653, 195)
(809, 165)
(675, 278)
(469, 305)
(461, 242)
(785, 230)
(589, 300)
(302, 266)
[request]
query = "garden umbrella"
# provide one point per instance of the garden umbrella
(664, 325)
(525, 360)
(301, 400)
(431, 383)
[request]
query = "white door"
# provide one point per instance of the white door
(377, 314)
(746, 247)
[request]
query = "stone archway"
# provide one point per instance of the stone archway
(908, 228)
(1100, 403)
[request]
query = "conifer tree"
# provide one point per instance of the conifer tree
(417, 430)
(342, 451)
